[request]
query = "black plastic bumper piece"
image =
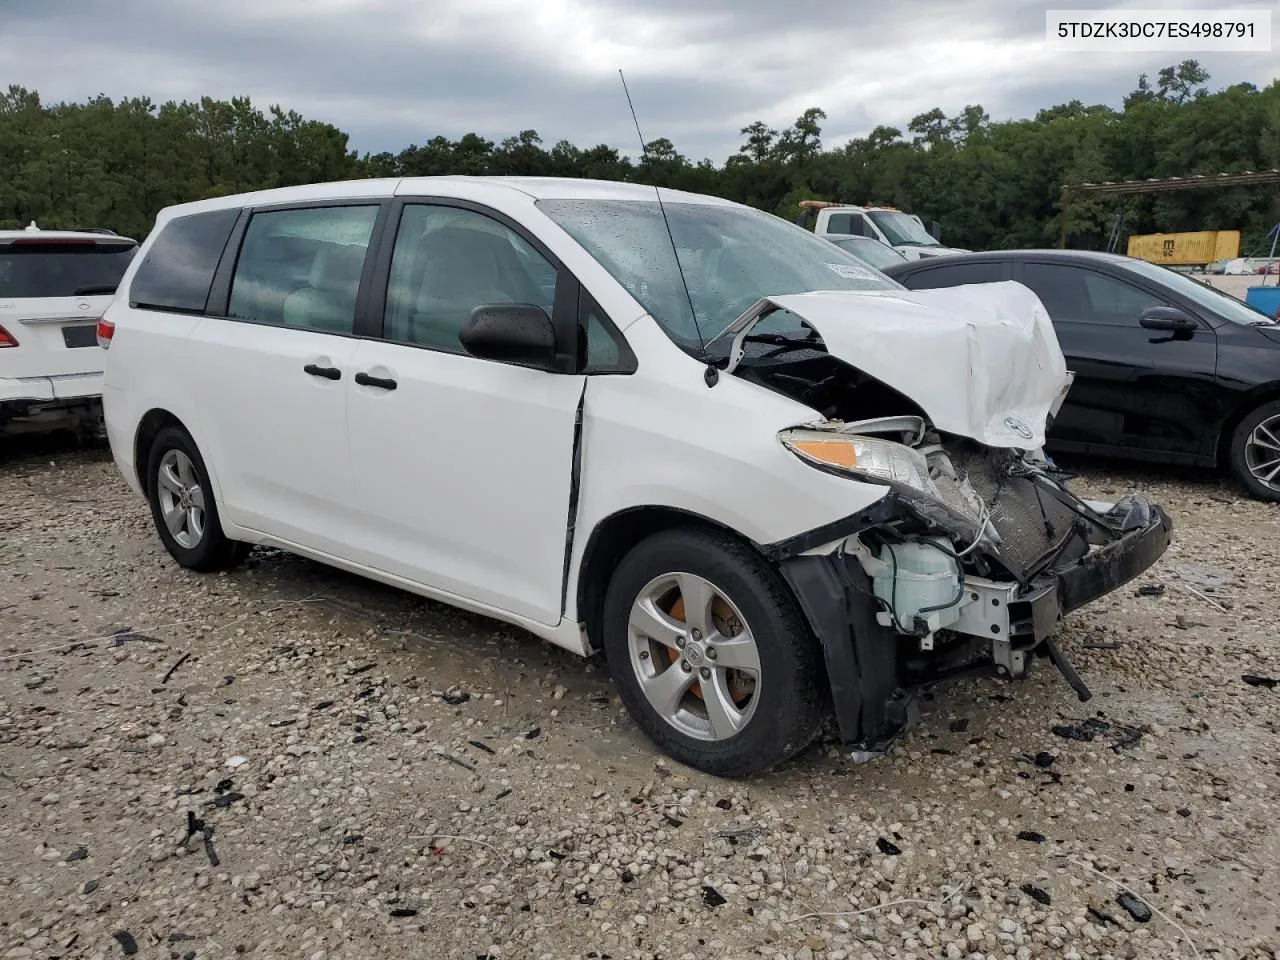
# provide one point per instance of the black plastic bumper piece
(872, 704)
(871, 707)
(1113, 564)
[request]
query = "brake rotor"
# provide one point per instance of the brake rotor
(722, 615)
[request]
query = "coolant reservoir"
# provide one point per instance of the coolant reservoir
(927, 584)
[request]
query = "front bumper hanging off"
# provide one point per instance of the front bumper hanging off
(871, 689)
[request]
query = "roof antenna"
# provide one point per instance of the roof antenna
(712, 373)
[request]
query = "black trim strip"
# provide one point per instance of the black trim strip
(575, 478)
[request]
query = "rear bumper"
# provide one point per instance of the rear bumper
(70, 386)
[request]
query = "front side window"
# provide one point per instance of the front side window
(1074, 293)
(730, 256)
(177, 270)
(301, 268)
(447, 261)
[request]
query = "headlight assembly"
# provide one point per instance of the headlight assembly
(862, 456)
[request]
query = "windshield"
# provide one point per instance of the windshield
(871, 252)
(901, 230)
(731, 257)
(1222, 304)
(61, 269)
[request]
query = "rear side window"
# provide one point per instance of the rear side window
(178, 269)
(62, 268)
(301, 268)
(954, 275)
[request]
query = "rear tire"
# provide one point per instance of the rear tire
(1255, 452)
(183, 506)
(711, 655)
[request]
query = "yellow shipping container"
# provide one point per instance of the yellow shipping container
(1205, 246)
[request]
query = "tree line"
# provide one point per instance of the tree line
(990, 184)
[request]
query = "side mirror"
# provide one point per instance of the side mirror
(1167, 318)
(518, 333)
(935, 230)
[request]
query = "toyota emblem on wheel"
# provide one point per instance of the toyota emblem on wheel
(1018, 427)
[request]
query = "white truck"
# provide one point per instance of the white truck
(904, 232)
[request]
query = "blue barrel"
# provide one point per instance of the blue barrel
(1266, 299)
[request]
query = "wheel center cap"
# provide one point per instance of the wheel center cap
(694, 655)
(184, 499)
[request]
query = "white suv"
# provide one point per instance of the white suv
(54, 286)
(764, 478)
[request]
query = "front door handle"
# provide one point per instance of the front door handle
(329, 373)
(383, 383)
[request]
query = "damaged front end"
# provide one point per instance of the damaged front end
(963, 568)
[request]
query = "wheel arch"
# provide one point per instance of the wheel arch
(149, 427)
(1266, 393)
(611, 540)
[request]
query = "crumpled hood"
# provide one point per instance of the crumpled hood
(982, 360)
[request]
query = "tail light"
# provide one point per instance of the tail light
(106, 330)
(7, 339)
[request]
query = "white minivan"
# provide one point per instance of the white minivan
(769, 482)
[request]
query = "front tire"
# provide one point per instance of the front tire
(711, 655)
(183, 507)
(1255, 452)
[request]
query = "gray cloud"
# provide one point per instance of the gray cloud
(392, 72)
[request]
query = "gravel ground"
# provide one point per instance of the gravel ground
(290, 762)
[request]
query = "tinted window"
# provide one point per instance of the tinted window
(448, 261)
(1074, 293)
(301, 268)
(840, 223)
(954, 275)
(178, 268)
(60, 268)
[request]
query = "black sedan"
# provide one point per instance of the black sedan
(1167, 369)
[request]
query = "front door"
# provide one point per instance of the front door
(462, 466)
(1136, 390)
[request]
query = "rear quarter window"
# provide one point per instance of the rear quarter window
(178, 268)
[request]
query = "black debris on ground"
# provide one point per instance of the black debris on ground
(1134, 907)
(1044, 760)
(79, 853)
(724, 804)
(711, 897)
(1102, 918)
(224, 800)
(1154, 590)
(481, 746)
(89, 886)
(1031, 836)
(959, 726)
(1036, 894)
(126, 941)
(404, 912)
(1069, 731)
(887, 847)
(1256, 681)
(455, 699)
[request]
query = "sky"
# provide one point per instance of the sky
(395, 72)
